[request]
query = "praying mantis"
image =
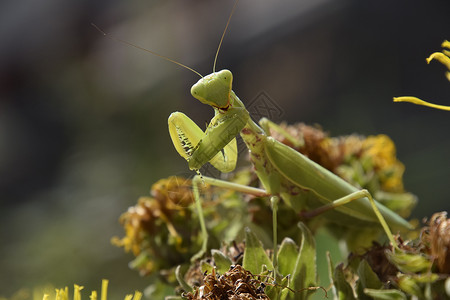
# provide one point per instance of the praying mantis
(308, 188)
(304, 185)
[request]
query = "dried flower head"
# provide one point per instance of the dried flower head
(171, 197)
(436, 236)
(235, 284)
(163, 230)
(156, 226)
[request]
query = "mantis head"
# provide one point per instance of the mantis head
(214, 89)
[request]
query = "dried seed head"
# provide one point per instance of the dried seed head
(437, 237)
(237, 283)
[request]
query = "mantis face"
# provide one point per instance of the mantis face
(214, 89)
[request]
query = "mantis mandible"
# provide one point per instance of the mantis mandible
(283, 172)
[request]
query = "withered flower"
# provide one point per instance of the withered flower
(235, 284)
(436, 236)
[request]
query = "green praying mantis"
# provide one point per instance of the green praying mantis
(310, 189)
(304, 185)
(284, 173)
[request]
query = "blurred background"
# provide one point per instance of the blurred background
(83, 119)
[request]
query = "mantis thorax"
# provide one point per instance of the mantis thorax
(214, 89)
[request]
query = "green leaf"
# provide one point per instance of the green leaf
(304, 272)
(367, 276)
(181, 281)
(221, 261)
(254, 255)
(305, 267)
(331, 276)
(286, 255)
(409, 263)
(410, 286)
(425, 278)
(274, 291)
(206, 267)
(345, 291)
(158, 289)
(385, 294)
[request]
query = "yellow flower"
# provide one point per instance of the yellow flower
(381, 150)
(444, 58)
(63, 294)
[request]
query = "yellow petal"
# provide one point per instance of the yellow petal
(441, 57)
(93, 295)
(137, 295)
(418, 101)
(104, 295)
(76, 291)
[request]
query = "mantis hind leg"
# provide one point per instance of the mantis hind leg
(347, 199)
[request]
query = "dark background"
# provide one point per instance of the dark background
(83, 119)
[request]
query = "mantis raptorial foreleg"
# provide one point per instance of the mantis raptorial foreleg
(186, 134)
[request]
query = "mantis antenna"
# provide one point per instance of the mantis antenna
(146, 50)
(223, 34)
